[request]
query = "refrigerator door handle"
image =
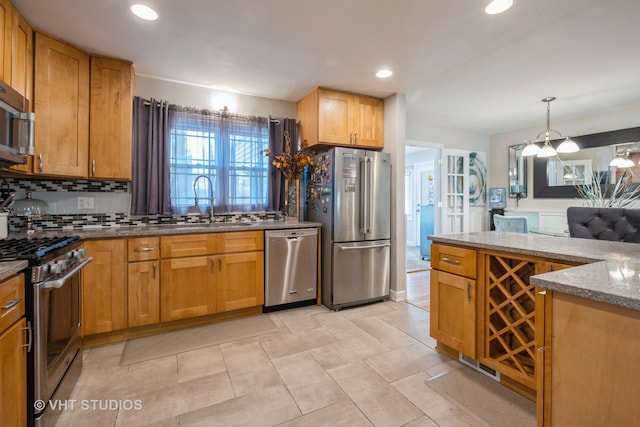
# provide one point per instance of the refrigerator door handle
(364, 197)
(353, 248)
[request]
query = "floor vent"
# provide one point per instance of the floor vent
(480, 367)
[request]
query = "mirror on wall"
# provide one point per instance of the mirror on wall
(556, 177)
(517, 172)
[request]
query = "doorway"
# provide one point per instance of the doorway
(422, 181)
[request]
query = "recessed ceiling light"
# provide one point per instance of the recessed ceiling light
(498, 6)
(144, 12)
(383, 74)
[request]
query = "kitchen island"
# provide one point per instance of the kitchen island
(558, 317)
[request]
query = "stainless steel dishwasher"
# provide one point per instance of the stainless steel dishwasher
(291, 263)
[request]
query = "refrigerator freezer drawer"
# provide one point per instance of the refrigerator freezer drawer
(361, 272)
(291, 262)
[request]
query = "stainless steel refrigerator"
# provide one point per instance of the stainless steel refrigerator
(349, 193)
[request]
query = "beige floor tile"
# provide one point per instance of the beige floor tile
(297, 342)
(266, 407)
(297, 320)
(405, 313)
(376, 309)
(341, 414)
(162, 404)
(200, 363)
(439, 409)
(406, 361)
(82, 418)
(309, 384)
(388, 335)
(382, 404)
(249, 368)
(347, 351)
(339, 326)
(419, 331)
(423, 422)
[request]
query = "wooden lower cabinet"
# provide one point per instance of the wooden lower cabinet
(453, 311)
(13, 353)
(593, 348)
(104, 287)
(143, 291)
(240, 282)
(188, 288)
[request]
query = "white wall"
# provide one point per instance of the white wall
(498, 166)
(203, 97)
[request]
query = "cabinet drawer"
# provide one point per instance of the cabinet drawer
(11, 301)
(240, 241)
(454, 260)
(143, 248)
(187, 245)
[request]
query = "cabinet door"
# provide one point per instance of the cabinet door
(62, 109)
(240, 241)
(188, 288)
(240, 281)
(104, 294)
(13, 375)
(111, 113)
(143, 293)
(6, 13)
(334, 126)
(367, 118)
(22, 57)
(453, 311)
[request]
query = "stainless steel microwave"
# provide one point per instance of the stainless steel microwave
(16, 127)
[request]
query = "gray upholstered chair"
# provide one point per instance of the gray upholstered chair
(604, 223)
(515, 224)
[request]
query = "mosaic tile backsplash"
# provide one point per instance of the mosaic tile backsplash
(56, 220)
(90, 221)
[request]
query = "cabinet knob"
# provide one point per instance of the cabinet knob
(40, 163)
(468, 291)
(93, 168)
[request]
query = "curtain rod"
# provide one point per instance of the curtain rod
(224, 110)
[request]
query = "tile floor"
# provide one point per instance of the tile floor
(356, 367)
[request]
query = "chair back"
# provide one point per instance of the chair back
(618, 224)
(514, 224)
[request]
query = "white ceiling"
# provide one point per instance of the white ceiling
(458, 67)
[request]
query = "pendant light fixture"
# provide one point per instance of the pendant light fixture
(547, 150)
(622, 160)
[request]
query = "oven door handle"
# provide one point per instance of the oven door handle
(60, 282)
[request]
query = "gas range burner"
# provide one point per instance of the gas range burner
(33, 249)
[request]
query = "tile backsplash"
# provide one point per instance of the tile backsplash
(102, 204)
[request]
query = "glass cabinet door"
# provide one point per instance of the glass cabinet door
(455, 183)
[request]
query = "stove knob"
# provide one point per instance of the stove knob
(45, 269)
(69, 255)
(55, 268)
(63, 265)
(79, 253)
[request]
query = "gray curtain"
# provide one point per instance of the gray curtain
(277, 127)
(150, 185)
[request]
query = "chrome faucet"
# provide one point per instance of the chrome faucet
(195, 192)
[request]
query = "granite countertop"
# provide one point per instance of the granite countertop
(8, 268)
(610, 274)
(162, 230)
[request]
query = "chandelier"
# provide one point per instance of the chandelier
(566, 146)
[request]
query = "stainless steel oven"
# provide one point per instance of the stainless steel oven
(53, 306)
(57, 329)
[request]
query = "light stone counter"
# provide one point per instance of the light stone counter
(9, 268)
(611, 273)
(162, 230)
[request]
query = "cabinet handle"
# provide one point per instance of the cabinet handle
(12, 304)
(154, 270)
(213, 264)
(144, 249)
(220, 264)
(356, 138)
(29, 335)
(40, 163)
(450, 261)
(469, 291)
(93, 168)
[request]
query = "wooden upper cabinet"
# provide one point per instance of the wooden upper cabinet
(111, 114)
(331, 118)
(61, 92)
(6, 19)
(22, 57)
